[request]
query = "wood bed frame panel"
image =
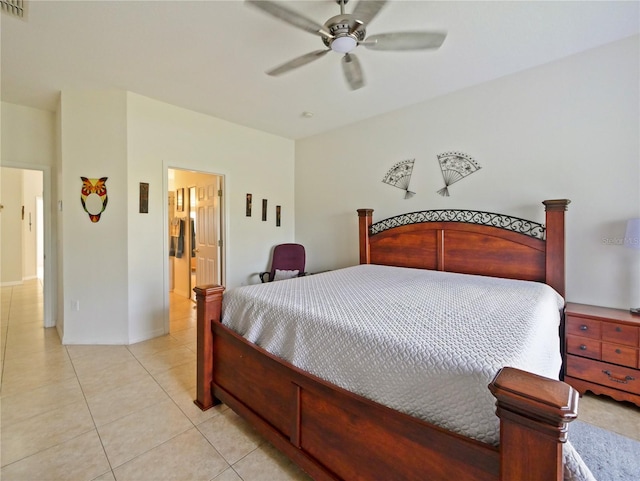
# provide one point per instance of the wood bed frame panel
(450, 247)
(336, 435)
(471, 248)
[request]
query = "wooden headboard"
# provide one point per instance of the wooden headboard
(470, 242)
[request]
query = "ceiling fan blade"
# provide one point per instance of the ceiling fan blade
(291, 17)
(366, 10)
(297, 62)
(404, 41)
(352, 71)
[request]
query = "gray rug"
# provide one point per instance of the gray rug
(610, 457)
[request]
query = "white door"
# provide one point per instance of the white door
(208, 231)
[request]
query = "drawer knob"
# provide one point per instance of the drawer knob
(618, 329)
(583, 347)
(617, 379)
(618, 351)
(583, 327)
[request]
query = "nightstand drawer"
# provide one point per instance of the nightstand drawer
(583, 346)
(626, 356)
(620, 333)
(616, 377)
(580, 326)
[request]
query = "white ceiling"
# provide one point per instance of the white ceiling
(210, 56)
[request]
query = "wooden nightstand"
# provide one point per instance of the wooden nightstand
(602, 351)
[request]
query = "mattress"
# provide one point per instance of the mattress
(422, 342)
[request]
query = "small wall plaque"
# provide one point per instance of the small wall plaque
(144, 198)
(248, 206)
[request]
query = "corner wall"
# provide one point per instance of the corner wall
(109, 276)
(568, 129)
(161, 136)
(115, 271)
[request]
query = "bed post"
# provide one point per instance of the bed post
(555, 262)
(365, 218)
(534, 414)
(209, 304)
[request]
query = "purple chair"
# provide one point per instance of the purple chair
(287, 258)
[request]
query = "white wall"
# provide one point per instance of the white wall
(28, 135)
(114, 270)
(95, 259)
(569, 129)
(11, 227)
(160, 136)
(29, 141)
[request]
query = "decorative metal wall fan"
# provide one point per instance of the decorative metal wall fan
(400, 176)
(343, 33)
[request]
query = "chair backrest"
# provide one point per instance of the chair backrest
(287, 257)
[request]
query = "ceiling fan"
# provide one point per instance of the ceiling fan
(343, 33)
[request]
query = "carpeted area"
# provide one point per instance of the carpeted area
(610, 457)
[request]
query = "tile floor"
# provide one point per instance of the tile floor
(103, 413)
(127, 413)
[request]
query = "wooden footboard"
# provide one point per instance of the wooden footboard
(333, 434)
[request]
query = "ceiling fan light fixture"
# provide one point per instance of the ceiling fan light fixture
(343, 33)
(344, 44)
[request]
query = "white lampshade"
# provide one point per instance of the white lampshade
(632, 235)
(344, 44)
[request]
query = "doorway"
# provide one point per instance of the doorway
(196, 230)
(26, 223)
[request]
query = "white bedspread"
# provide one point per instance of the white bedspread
(422, 342)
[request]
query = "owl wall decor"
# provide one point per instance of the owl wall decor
(94, 197)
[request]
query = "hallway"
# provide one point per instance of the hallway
(121, 413)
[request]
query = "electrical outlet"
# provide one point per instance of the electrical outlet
(75, 305)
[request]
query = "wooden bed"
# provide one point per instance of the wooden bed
(333, 434)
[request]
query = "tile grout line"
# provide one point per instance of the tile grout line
(9, 321)
(4, 349)
(95, 427)
(193, 424)
(195, 421)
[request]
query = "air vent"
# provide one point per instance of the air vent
(14, 7)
